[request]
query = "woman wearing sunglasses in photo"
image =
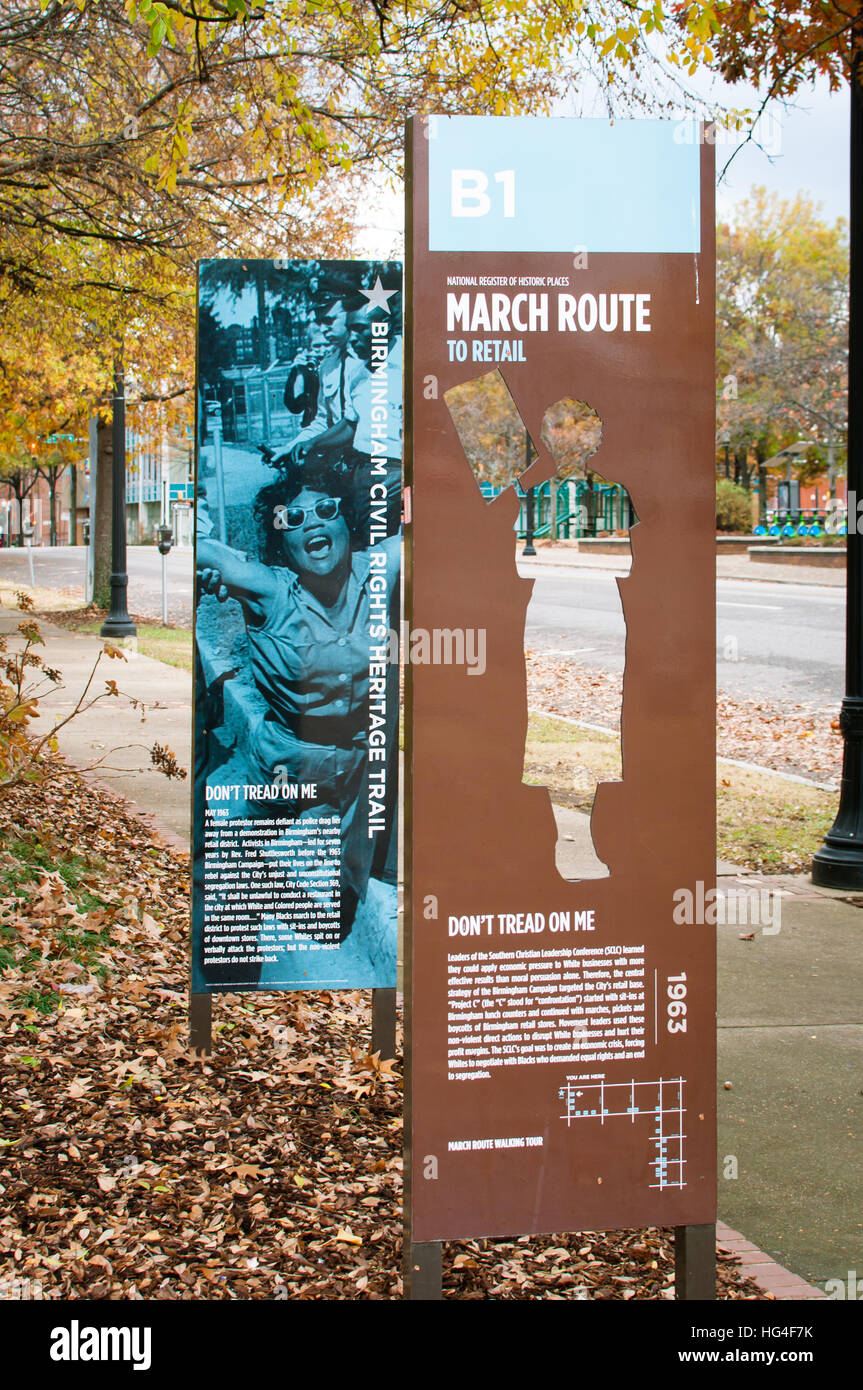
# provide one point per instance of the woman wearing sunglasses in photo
(307, 612)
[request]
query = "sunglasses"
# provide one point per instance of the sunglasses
(292, 518)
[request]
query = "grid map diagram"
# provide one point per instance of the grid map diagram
(659, 1101)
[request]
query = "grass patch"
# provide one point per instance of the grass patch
(44, 1001)
(57, 600)
(767, 823)
(27, 858)
(171, 645)
(23, 861)
(10, 954)
(570, 761)
(764, 822)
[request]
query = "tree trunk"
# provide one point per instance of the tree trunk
(741, 469)
(19, 498)
(102, 516)
(52, 506)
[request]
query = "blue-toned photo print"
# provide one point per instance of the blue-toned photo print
(298, 536)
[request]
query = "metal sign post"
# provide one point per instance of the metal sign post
(384, 1022)
(201, 1023)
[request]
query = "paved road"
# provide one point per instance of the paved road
(784, 641)
(63, 568)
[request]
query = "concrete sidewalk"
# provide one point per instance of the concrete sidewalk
(112, 730)
(790, 1019)
(790, 1003)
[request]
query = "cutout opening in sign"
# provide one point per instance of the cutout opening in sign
(498, 447)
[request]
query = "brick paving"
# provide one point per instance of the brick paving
(780, 1283)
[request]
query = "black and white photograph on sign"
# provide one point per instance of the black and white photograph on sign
(296, 649)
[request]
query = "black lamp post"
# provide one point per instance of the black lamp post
(839, 861)
(529, 497)
(529, 548)
(118, 623)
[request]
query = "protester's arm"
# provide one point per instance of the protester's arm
(251, 583)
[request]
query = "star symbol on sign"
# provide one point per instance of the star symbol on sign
(378, 297)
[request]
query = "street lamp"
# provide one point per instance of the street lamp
(839, 861)
(800, 446)
(529, 548)
(724, 438)
(118, 623)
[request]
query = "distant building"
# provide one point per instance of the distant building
(159, 482)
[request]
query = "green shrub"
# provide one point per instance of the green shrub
(733, 507)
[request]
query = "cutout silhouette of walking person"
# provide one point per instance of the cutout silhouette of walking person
(500, 451)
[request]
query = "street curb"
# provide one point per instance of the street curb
(805, 582)
(776, 1281)
(812, 580)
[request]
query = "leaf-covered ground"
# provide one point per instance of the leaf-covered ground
(130, 1168)
(793, 738)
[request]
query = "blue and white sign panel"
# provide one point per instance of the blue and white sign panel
(627, 186)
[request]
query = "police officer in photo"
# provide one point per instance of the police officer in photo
(334, 421)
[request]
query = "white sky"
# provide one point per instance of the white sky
(806, 151)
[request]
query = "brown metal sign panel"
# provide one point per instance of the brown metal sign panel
(560, 1034)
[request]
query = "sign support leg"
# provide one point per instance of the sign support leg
(423, 1276)
(384, 1023)
(695, 1262)
(201, 1023)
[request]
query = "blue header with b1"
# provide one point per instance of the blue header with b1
(525, 183)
